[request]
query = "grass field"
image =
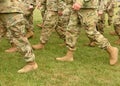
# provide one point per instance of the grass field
(89, 68)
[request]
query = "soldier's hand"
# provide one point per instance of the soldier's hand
(76, 6)
(60, 13)
(31, 7)
(100, 12)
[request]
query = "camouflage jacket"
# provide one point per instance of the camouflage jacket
(7, 6)
(101, 5)
(52, 5)
(110, 4)
(87, 3)
(30, 2)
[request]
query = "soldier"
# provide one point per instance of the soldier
(84, 11)
(28, 14)
(117, 25)
(110, 10)
(56, 18)
(12, 18)
(106, 6)
(101, 16)
(63, 18)
(101, 21)
(50, 22)
(28, 7)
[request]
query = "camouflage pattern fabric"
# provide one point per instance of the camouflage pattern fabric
(42, 8)
(2, 30)
(107, 7)
(101, 18)
(14, 22)
(63, 20)
(117, 23)
(87, 17)
(110, 10)
(28, 7)
(54, 21)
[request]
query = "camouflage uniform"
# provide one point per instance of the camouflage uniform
(14, 22)
(110, 10)
(107, 6)
(101, 18)
(117, 23)
(54, 21)
(86, 16)
(28, 7)
(50, 21)
(2, 30)
(42, 8)
(63, 20)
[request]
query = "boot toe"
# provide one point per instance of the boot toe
(28, 68)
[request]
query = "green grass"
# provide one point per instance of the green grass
(89, 68)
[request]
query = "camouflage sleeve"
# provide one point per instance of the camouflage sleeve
(101, 5)
(79, 1)
(111, 4)
(61, 5)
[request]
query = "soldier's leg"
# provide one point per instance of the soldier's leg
(42, 10)
(50, 23)
(90, 27)
(29, 29)
(117, 30)
(29, 26)
(110, 20)
(116, 25)
(101, 23)
(2, 30)
(63, 23)
(17, 31)
(110, 16)
(72, 33)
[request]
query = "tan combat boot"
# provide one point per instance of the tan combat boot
(12, 49)
(38, 46)
(113, 53)
(28, 67)
(113, 33)
(67, 57)
(117, 42)
(29, 34)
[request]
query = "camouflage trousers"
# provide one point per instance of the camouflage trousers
(87, 18)
(43, 9)
(101, 20)
(29, 19)
(2, 30)
(63, 21)
(116, 23)
(110, 12)
(28, 15)
(56, 22)
(15, 25)
(101, 23)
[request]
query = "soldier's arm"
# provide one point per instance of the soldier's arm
(77, 4)
(111, 5)
(101, 5)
